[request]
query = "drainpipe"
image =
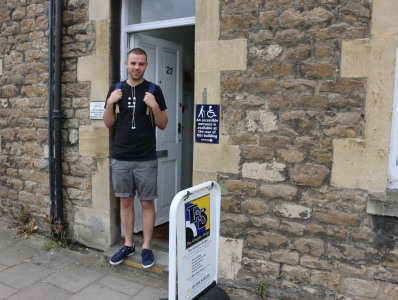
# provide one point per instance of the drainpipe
(58, 222)
(50, 106)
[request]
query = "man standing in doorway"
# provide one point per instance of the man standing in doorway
(135, 113)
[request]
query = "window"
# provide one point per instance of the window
(393, 161)
(145, 11)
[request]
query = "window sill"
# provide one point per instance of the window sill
(383, 204)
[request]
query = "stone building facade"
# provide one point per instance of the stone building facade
(306, 92)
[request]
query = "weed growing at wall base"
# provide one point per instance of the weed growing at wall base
(26, 223)
(262, 289)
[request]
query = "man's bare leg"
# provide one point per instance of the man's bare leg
(148, 221)
(127, 219)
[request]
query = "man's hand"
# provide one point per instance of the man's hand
(115, 97)
(109, 114)
(150, 101)
(161, 118)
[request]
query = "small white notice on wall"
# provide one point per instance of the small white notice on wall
(97, 110)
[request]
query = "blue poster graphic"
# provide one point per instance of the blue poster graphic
(197, 220)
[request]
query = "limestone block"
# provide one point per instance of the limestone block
(309, 174)
(3, 103)
(101, 186)
(92, 227)
(266, 222)
(230, 205)
(255, 207)
(238, 187)
(207, 15)
(283, 191)
(355, 61)
(391, 291)
(230, 257)
(102, 43)
(295, 273)
(234, 220)
(264, 238)
(94, 141)
(269, 172)
(314, 262)
(224, 55)
(93, 67)
(203, 176)
(327, 279)
(292, 227)
(220, 157)
(336, 217)
(261, 121)
(260, 266)
(352, 158)
(293, 211)
(361, 288)
(207, 87)
(99, 90)
(313, 247)
(99, 10)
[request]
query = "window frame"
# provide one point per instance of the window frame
(393, 156)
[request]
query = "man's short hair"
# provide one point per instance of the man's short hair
(137, 51)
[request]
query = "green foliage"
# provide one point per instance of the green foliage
(262, 289)
(102, 262)
(26, 223)
(51, 245)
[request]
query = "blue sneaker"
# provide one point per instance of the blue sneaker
(121, 255)
(147, 258)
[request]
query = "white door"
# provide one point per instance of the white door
(164, 69)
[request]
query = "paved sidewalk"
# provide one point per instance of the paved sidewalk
(29, 272)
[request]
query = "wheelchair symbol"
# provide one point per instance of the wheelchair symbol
(210, 113)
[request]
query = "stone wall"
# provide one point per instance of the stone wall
(24, 106)
(305, 237)
(285, 101)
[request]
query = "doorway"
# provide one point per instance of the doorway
(156, 41)
(138, 19)
(164, 47)
(184, 36)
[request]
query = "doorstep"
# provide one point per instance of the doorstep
(160, 253)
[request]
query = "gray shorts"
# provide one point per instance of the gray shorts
(132, 178)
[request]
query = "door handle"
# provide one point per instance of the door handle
(179, 128)
(162, 153)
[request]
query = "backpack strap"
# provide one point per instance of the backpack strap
(151, 87)
(148, 110)
(118, 86)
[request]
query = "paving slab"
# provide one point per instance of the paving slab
(16, 254)
(120, 284)
(23, 275)
(98, 292)
(149, 293)
(41, 291)
(6, 291)
(74, 277)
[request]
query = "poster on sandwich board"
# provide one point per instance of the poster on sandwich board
(196, 219)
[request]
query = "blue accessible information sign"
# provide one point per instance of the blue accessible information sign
(207, 128)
